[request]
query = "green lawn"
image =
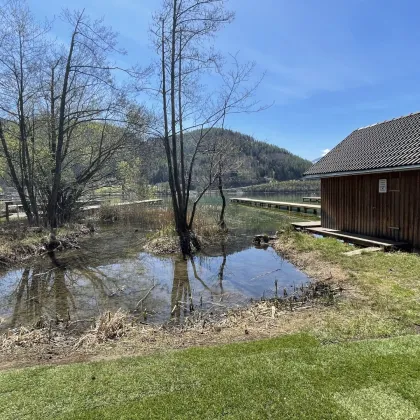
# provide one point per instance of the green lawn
(389, 281)
(293, 377)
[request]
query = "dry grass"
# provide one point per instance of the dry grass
(118, 333)
(150, 216)
(165, 239)
(110, 326)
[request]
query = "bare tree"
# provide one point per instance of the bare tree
(84, 103)
(22, 51)
(182, 31)
(227, 163)
(63, 116)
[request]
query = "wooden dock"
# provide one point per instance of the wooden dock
(91, 209)
(357, 239)
(305, 225)
(311, 199)
(11, 206)
(299, 207)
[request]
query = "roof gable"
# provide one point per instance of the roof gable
(387, 145)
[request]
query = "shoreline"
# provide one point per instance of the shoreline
(121, 334)
(20, 243)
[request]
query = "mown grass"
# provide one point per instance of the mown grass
(294, 377)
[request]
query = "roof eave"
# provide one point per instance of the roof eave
(363, 172)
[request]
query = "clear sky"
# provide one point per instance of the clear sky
(332, 65)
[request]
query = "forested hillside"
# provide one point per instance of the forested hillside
(253, 161)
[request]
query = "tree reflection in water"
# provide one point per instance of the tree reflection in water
(50, 293)
(181, 296)
(222, 268)
(90, 282)
(41, 294)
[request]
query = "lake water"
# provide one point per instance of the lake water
(112, 271)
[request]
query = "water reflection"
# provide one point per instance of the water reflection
(111, 271)
(167, 287)
(181, 296)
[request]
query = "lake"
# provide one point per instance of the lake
(111, 271)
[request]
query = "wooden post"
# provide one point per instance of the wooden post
(7, 203)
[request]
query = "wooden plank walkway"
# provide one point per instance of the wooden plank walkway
(304, 225)
(311, 199)
(314, 208)
(91, 209)
(357, 239)
(128, 203)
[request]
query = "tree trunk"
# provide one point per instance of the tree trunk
(222, 222)
(19, 187)
(52, 205)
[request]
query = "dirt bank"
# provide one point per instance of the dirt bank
(19, 242)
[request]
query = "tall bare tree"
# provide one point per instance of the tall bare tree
(22, 52)
(182, 33)
(84, 104)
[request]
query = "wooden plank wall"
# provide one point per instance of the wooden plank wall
(354, 204)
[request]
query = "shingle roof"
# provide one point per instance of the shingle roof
(394, 143)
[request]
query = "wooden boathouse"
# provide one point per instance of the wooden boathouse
(370, 182)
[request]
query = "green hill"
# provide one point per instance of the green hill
(259, 161)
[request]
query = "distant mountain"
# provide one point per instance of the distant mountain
(260, 161)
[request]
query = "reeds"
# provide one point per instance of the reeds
(144, 215)
(110, 326)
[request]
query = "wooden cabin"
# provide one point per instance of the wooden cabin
(370, 182)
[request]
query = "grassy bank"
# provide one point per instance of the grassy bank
(383, 288)
(294, 377)
(18, 241)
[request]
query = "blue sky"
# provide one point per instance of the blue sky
(331, 65)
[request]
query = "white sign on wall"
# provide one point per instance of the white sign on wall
(382, 185)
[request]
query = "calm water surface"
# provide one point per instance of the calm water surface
(112, 271)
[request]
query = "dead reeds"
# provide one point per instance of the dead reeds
(259, 316)
(149, 216)
(110, 326)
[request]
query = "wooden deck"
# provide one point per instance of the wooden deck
(356, 239)
(305, 225)
(311, 199)
(128, 203)
(299, 207)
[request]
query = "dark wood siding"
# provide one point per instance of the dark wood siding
(354, 204)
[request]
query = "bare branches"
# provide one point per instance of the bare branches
(182, 34)
(64, 115)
